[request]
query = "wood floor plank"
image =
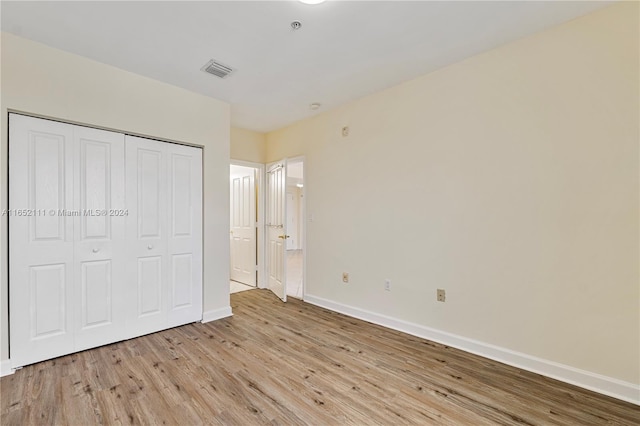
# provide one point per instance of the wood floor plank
(292, 364)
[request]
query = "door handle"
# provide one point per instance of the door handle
(95, 250)
(149, 247)
(284, 237)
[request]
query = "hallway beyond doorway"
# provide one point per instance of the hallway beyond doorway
(294, 273)
(236, 287)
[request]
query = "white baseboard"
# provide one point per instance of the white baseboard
(596, 382)
(216, 314)
(5, 368)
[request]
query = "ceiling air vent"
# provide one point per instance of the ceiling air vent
(218, 69)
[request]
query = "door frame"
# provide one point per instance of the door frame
(260, 242)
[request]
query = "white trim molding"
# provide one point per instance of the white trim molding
(585, 379)
(216, 314)
(5, 368)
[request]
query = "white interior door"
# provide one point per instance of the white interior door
(164, 230)
(147, 233)
(276, 228)
(67, 266)
(185, 234)
(41, 242)
(99, 265)
(243, 225)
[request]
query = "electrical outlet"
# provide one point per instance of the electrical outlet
(345, 277)
(387, 284)
(440, 295)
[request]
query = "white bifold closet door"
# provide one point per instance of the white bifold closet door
(105, 237)
(165, 180)
(98, 270)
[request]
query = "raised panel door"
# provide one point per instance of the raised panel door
(276, 229)
(147, 232)
(185, 228)
(243, 225)
(100, 259)
(40, 239)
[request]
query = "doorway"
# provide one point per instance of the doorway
(276, 248)
(295, 228)
(244, 232)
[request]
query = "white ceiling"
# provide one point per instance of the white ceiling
(344, 50)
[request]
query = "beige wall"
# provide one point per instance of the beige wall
(40, 80)
(509, 179)
(248, 145)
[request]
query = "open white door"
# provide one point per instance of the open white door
(243, 225)
(276, 228)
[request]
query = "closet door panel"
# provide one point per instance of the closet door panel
(95, 188)
(185, 241)
(182, 282)
(150, 180)
(146, 190)
(48, 288)
(100, 258)
(149, 293)
(97, 294)
(41, 284)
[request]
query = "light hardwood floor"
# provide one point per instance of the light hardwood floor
(274, 363)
